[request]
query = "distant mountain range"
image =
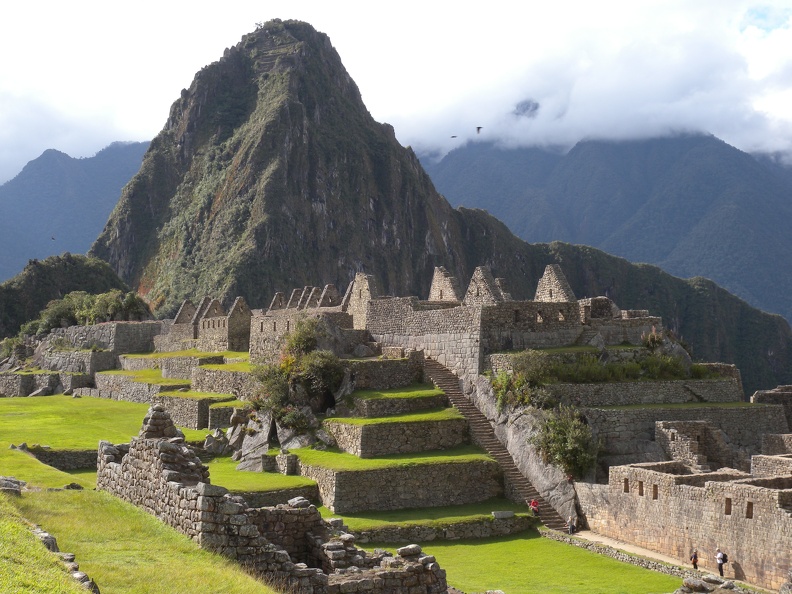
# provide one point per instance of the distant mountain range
(692, 205)
(60, 204)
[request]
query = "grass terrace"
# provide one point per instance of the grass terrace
(340, 461)
(67, 423)
(127, 551)
(681, 405)
(414, 391)
(243, 366)
(223, 472)
(526, 563)
(193, 395)
(444, 414)
(25, 565)
(428, 516)
(148, 376)
(231, 404)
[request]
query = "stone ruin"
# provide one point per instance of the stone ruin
(286, 544)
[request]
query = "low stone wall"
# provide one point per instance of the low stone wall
(165, 343)
(627, 434)
(272, 498)
(78, 361)
(382, 439)
(117, 337)
(777, 444)
(66, 459)
(73, 381)
(484, 528)
(385, 407)
(239, 383)
(656, 392)
(192, 413)
(182, 367)
(220, 417)
(24, 384)
(137, 363)
(424, 485)
(771, 465)
(383, 374)
(122, 387)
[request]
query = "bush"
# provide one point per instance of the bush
(274, 390)
(533, 366)
(303, 339)
(319, 372)
(566, 441)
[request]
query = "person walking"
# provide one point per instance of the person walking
(694, 559)
(719, 558)
(571, 524)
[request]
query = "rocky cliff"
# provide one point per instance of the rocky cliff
(271, 174)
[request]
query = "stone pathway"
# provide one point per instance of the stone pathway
(483, 435)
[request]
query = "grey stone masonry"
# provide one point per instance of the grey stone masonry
(777, 444)
(189, 412)
(239, 383)
(656, 392)
(553, 286)
(444, 286)
(421, 485)
(666, 508)
(383, 374)
(383, 407)
(381, 439)
(78, 361)
(117, 337)
(486, 528)
(114, 386)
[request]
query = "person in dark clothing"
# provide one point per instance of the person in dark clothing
(694, 559)
(719, 559)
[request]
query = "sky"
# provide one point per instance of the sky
(78, 75)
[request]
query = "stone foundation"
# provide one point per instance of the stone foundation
(239, 383)
(189, 412)
(382, 439)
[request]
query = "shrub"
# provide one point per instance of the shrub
(303, 339)
(274, 390)
(319, 372)
(566, 441)
(533, 366)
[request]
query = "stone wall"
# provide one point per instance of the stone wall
(424, 485)
(192, 413)
(66, 459)
(117, 337)
(485, 528)
(384, 374)
(781, 395)
(24, 384)
(627, 434)
(239, 383)
(655, 392)
(268, 329)
(382, 439)
(182, 367)
(747, 518)
(122, 387)
(384, 407)
(771, 465)
(78, 361)
(777, 444)
(128, 363)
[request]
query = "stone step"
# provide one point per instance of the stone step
(483, 434)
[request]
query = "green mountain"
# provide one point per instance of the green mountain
(60, 204)
(692, 205)
(271, 174)
(41, 281)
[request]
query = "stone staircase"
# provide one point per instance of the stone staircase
(482, 433)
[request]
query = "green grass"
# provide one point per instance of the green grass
(67, 423)
(428, 516)
(127, 551)
(190, 353)
(526, 563)
(200, 395)
(231, 404)
(416, 391)
(445, 414)
(336, 460)
(223, 472)
(148, 376)
(243, 366)
(25, 565)
(26, 468)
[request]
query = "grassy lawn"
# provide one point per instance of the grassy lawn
(25, 565)
(127, 551)
(223, 472)
(243, 366)
(434, 516)
(445, 414)
(231, 404)
(67, 423)
(416, 391)
(527, 563)
(148, 376)
(342, 461)
(200, 395)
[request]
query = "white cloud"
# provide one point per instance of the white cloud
(76, 76)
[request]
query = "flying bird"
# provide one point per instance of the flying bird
(454, 136)
(478, 129)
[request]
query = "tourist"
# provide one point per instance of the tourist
(535, 507)
(694, 559)
(720, 560)
(571, 524)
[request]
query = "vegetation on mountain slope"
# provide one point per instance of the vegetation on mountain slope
(271, 174)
